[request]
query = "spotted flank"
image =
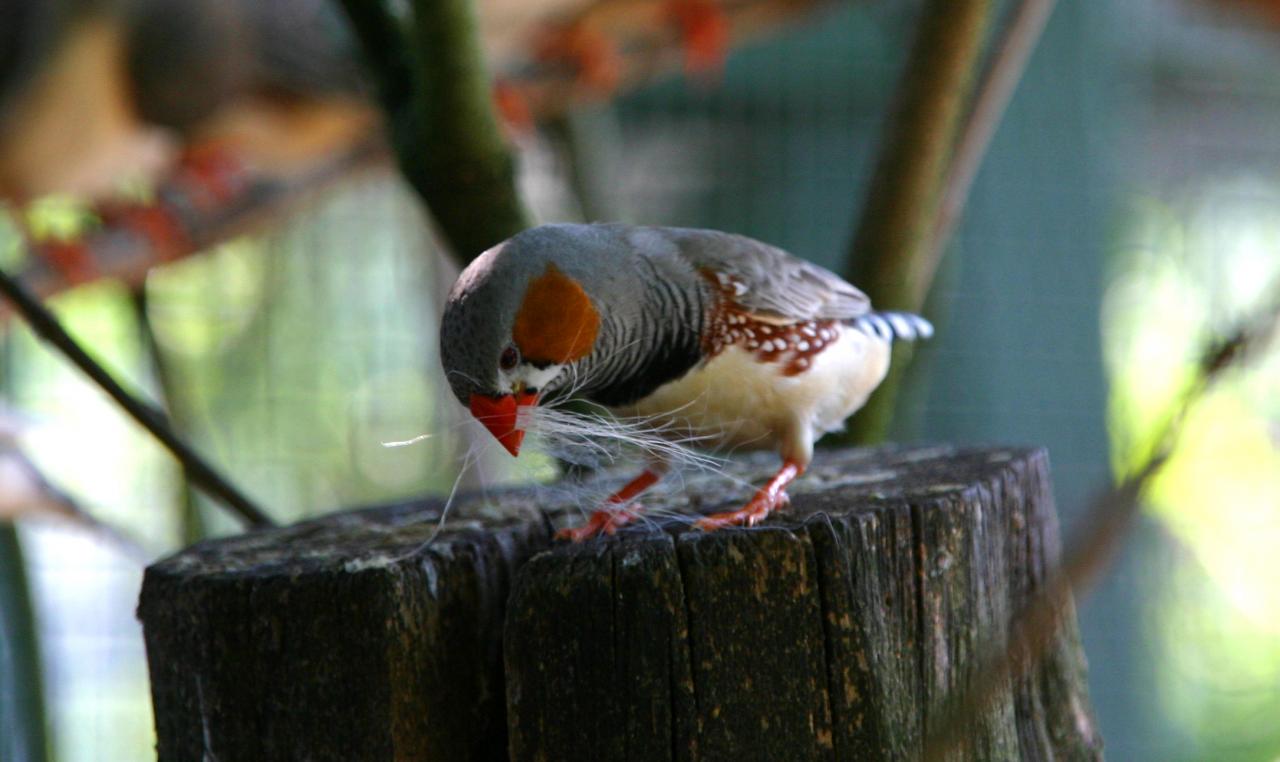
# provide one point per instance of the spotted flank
(795, 344)
(893, 325)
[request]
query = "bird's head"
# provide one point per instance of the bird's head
(515, 323)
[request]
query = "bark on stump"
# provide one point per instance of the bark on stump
(832, 632)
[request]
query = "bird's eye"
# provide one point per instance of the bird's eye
(510, 356)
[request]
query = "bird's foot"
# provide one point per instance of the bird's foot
(604, 521)
(607, 520)
(770, 498)
(748, 516)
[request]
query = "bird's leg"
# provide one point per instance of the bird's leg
(608, 520)
(770, 497)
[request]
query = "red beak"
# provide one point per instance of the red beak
(498, 414)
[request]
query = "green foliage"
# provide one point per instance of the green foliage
(1188, 269)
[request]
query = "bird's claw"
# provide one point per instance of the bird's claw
(604, 521)
(749, 515)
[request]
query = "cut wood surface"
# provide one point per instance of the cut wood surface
(831, 632)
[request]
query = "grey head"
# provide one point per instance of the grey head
(527, 310)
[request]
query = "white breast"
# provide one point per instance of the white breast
(735, 401)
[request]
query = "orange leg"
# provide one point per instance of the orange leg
(771, 496)
(608, 520)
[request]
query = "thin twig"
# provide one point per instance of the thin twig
(191, 526)
(152, 419)
(50, 500)
(1008, 62)
(585, 138)
(1110, 516)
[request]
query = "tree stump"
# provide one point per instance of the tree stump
(831, 632)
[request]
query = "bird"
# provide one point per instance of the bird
(714, 336)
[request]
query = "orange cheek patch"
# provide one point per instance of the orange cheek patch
(557, 322)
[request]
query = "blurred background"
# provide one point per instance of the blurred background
(203, 192)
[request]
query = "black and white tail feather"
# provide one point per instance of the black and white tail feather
(889, 326)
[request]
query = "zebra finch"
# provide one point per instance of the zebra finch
(705, 335)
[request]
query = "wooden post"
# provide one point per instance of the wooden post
(833, 632)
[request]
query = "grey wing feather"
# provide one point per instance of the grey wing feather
(773, 282)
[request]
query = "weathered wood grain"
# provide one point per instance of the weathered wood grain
(832, 632)
(341, 639)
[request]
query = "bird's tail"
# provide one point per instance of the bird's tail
(903, 326)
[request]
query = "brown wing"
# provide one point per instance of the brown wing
(767, 281)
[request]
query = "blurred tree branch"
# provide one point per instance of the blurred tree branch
(928, 162)
(23, 716)
(916, 143)
(1104, 530)
(197, 469)
(23, 731)
(436, 93)
(1008, 61)
(385, 49)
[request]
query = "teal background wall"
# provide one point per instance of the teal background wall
(1143, 128)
